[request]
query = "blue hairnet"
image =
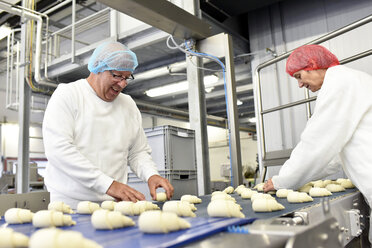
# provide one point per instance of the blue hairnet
(112, 56)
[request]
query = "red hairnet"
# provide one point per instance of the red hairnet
(310, 57)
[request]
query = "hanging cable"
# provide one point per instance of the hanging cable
(190, 52)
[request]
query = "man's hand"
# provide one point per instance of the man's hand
(157, 181)
(269, 186)
(122, 192)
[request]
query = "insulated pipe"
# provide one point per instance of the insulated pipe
(39, 25)
(47, 12)
(73, 32)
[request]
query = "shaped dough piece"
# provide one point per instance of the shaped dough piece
(56, 238)
(266, 205)
(18, 216)
(192, 206)
(161, 196)
(298, 197)
(131, 208)
(156, 221)
(347, 184)
(305, 188)
(178, 207)
(145, 206)
(191, 198)
(108, 205)
(87, 207)
(247, 193)
(335, 187)
(223, 196)
(259, 187)
(326, 182)
(239, 189)
(318, 184)
(229, 190)
(9, 238)
(221, 208)
(127, 208)
(340, 180)
(50, 218)
(282, 193)
(60, 206)
(105, 219)
(261, 196)
(318, 192)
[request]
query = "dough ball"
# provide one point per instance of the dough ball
(161, 196)
(108, 205)
(10, 238)
(18, 216)
(247, 193)
(178, 207)
(305, 188)
(222, 208)
(56, 238)
(259, 186)
(260, 196)
(105, 219)
(318, 184)
(87, 207)
(266, 205)
(191, 198)
(335, 187)
(283, 193)
(156, 221)
(229, 190)
(50, 218)
(60, 206)
(223, 196)
(318, 192)
(298, 197)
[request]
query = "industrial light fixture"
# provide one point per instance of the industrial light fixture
(238, 102)
(252, 120)
(5, 30)
(209, 81)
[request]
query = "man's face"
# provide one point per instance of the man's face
(312, 80)
(111, 83)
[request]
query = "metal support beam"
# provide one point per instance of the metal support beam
(22, 182)
(235, 153)
(221, 46)
(198, 114)
(163, 15)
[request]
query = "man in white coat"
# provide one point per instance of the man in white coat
(92, 132)
(341, 124)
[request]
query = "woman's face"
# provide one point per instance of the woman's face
(312, 80)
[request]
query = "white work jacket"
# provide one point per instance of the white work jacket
(90, 142)
(341, 125)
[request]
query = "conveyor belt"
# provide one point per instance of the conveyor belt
(202, 226)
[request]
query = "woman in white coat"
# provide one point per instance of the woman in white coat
(341, 124)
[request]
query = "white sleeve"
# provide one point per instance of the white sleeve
(337, 114)
(60, 149)
(139, 157)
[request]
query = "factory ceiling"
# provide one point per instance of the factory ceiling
(160, 66)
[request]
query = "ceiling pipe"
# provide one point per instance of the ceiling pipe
(39, 24)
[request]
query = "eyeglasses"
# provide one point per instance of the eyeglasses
(121, 78)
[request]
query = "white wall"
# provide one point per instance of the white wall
(287, 25)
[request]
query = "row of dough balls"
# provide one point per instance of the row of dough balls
(333, 186)
(42, 218)
(45, 238)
